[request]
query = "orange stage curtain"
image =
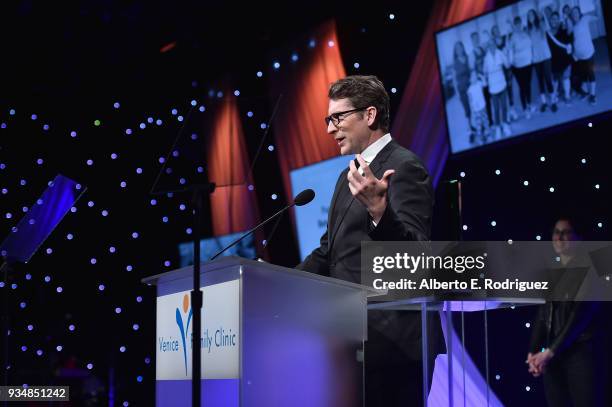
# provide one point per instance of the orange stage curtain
(420, 123)
(233, 207)
(299, 129)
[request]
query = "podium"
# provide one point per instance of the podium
(271, 336)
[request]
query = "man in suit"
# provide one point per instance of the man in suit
(389, 197)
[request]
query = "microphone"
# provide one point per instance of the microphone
(303, 198)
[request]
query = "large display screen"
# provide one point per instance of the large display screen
(522, 68)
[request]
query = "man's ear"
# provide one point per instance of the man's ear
(372, 113)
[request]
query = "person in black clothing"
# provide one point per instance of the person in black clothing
(566, 346)
(461, 67)
(479, 55)
(560, 43)
(388, 197)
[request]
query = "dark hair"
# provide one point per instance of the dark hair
(536, 21)
(462, 50)
(474, 34)
(364, 91)
(554, 13)
(517, 20)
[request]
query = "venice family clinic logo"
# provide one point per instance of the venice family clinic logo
(184, 328)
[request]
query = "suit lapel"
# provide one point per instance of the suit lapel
(344, 200)
(377, 165)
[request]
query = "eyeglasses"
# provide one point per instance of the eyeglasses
(563, 232)
(337, 117)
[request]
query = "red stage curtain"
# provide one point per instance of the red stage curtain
(299, 129)
(233, 207)
(420, 123)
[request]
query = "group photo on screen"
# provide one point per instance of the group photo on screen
(522, 68)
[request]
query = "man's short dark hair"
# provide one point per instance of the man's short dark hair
(364, 91)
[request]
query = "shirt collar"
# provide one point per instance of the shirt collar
(370, 153)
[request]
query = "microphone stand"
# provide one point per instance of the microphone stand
(274, 227)
(303, 198)
(235, 242)
(197, 200)
(196, 294)
(198, 191)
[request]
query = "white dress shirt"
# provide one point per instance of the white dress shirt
(370, 153)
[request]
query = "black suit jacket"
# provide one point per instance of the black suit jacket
(407, 217)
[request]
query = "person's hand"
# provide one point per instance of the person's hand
(369, 190)
(542, 359)
(532, 367)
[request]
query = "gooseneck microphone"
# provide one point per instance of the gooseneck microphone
(303, 198)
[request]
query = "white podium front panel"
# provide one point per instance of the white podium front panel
(220, 333)
(272, 337)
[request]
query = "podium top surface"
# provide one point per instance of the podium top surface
(235, 261)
